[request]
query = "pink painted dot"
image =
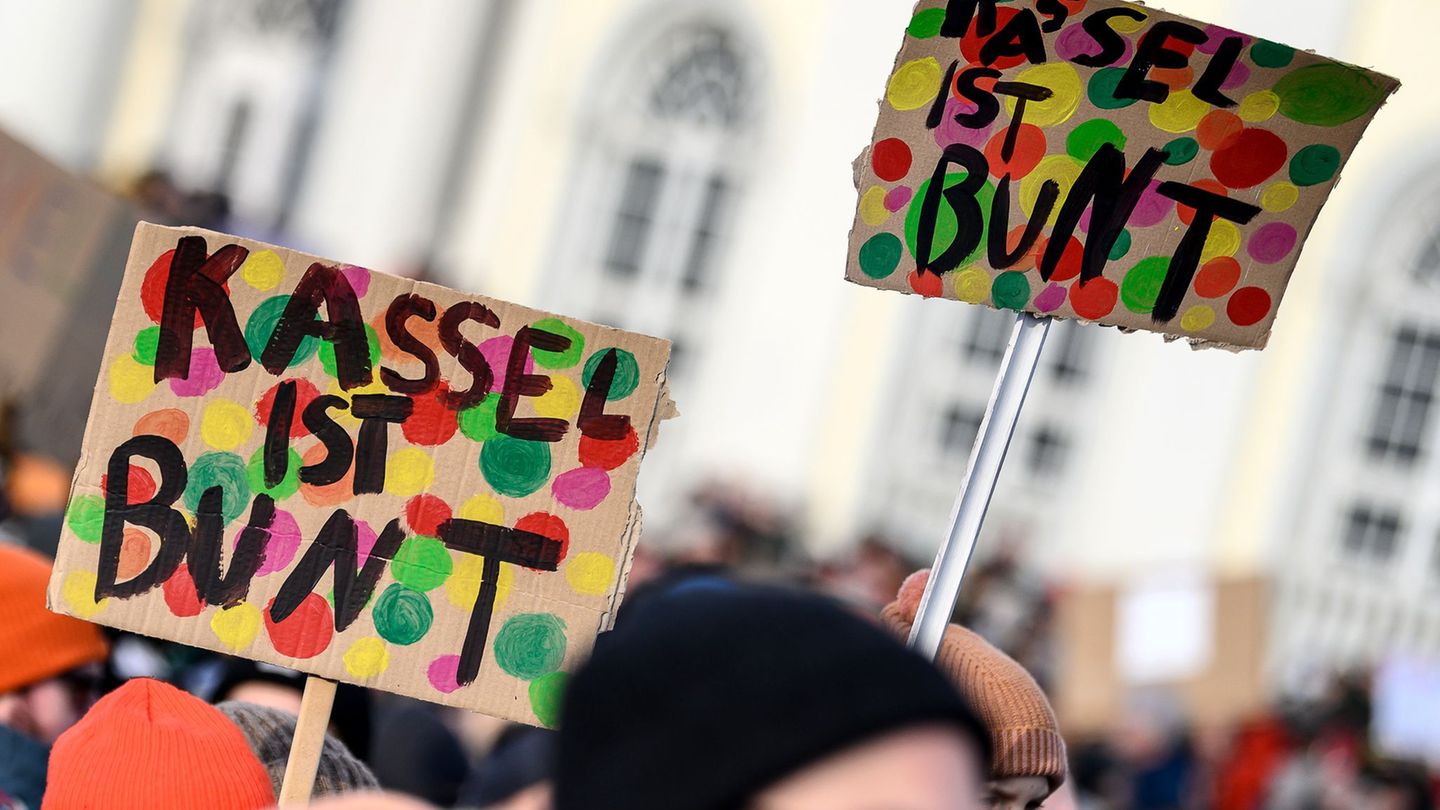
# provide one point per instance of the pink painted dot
(358, 277)
(365, 538)
(1050, 298)
(1239, 75)
(951, 131)
(205, 375)
(897, 198)
(1215, 35)
(582, 488)
(283, 543)
(1273, 242)
(497, 354)
(444, 673)
(1076, 41)
(1152, 208)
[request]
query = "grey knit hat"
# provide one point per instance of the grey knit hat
(269, 732)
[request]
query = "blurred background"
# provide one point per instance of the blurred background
(1211, 560)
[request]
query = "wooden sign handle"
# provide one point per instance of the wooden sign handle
(309, 739)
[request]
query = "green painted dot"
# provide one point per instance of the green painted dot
(422, 563)
(947, 227)
(547, 694)
(564, 359)
(926, 23)
(402, 616)
(85, 516)
(478, 422)
(1142, 284)
(146, 343)
(262, 323)
(1085, 140)
(515, 467)
(225, 470)
(289, 485)
(880, 255)
(1102, 89)
(1010, 291)
(530, 645)
(1328, 94)
(627, 373)
(1181, 151)
(327, 352)
(1121, 246)
(1314, 165)
(1271, 54)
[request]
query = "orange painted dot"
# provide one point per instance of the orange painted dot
(1012, 240)
(329, 494)
(1186, 213)
(134, 553)
(427, 332)
(1217, 129)
(927, 284)
(169, 423)
(1176, 79)
(1218, 277)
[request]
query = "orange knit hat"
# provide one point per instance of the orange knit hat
(1023, 730)
(36, 644)
(150, 746)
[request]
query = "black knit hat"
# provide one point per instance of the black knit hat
(700, 699)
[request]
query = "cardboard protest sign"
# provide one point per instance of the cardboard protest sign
(367, 478)
(1104, 161)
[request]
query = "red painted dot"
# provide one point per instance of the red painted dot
(608, 454)
(1029, 150)
(139, 485)
(1248, 306)
(1070, 259)
(891, 159)
(927, 284)
(1217, 129)
(152, 288)
(1185, 212)
(1249, 159)
(972, 42)
(305, 393)
(546, 525)
(1218, 277)
(432, 422)
(180, 594)
(306, 632)
(1094, 299)
(425, 512)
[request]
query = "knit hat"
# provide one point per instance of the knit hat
(37, 644)
(269, 732)
(699, 700)
(1023, 730)
(150, 746)
(521, 758)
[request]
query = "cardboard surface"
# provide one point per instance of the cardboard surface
(1061, 168)
(490, 530)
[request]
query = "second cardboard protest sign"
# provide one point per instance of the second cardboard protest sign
(1101, 160)
(367, 478)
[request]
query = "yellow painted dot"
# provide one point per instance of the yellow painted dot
(1064, 84)
(484, 509)
(1224, 240)
(130, 382)
(1063, 169)
(1279, 196)
(78, 591)
(366, 658)
(1125, 25)
(262, 270)
(343, 416)
(1181, 112)
(562, 401)
(225, 425)
(236, 626)
(872, 206)
(590, 573)
(1260, 105)
(972, 285)
(463, 586)
(408, 472)
(1197, 318)
(914, 85)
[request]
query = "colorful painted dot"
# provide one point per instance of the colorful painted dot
(608, 454)
(547, 692)
(402, 616)
(590, 573)
(1217, 277)
(582, 488)
(236, 626)
(562, 401)
(1085, 140)
(85, 516)
(530, 645)
(914, 85)
(478, 422)
(566, 358)
(432, 421)
(147, 341)
(1094, 299)
(366, 658)
(1197, 318)
(925, 24)
(1179, 112)
(1248, 306)
(463, 586)
(180, 595)
(1272, 242)
(1051, 298)
(1224, 240)
(169, 423)
(327, 352)
(225, 425)
(898, 198)
(205, 375)
(225, 470)
(891, 158)
(444, 673)
(305, 633)
(1010, 291)
(1259, 106)
(262, 270)
(1315, 164)
(1328, 94)
(130, 381)
(1217, 129)
(409, 471)
(425, 512)
(1065, 87)
(972, 285)
(1029, 150)
(1181, 151)
(872, 207)
(880, 255)
(1269, 54)
(422, 563)
(947, 227)
(284, 540)
(288, 484)
(78, 591)
(484, 509)
(515, 467)
(627, 373)
(134, 553)
(1062, 169)
(1102, 89)
(261, 326)
(1122, 245)
(1142, 284)
(547, 525)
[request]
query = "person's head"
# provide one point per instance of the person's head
(150, 746)
(756, 698)
(263, 684)
(515, 774)
(50, 664)
(269, 732)
(1029, 753)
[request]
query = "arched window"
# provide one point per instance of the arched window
(658, 176)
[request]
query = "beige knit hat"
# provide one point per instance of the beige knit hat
(1023, 729)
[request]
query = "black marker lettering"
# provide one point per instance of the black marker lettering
(401, 310)
(196, 283)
